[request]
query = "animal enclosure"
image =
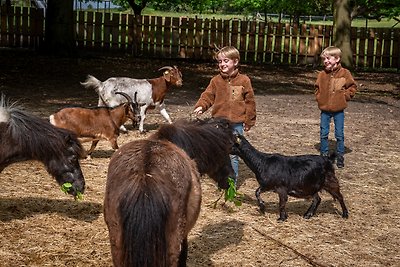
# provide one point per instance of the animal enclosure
(194, 38)
(40, 226)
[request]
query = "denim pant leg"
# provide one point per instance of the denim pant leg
(338, 119)
(325, 121)
(237, 128)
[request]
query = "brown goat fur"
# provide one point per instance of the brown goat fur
(94, 124)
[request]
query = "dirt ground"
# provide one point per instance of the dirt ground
(40, 226)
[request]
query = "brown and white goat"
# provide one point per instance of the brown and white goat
(94, 124)
(150, 92)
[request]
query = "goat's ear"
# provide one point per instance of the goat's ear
(237, 138)
(167, 75)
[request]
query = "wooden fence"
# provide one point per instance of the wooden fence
(21, 27)
(194, 38)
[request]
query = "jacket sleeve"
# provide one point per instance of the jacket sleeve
(250, 105)
(316, 87)
(350, 86)
(207, 98)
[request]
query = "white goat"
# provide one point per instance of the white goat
(150, 92)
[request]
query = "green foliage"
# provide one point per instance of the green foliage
(65, 187)
(231, 194)
(376, 9)
(122, 3)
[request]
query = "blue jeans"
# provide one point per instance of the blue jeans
(237, 128)
(338, 119)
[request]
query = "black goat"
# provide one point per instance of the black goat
(298, 176)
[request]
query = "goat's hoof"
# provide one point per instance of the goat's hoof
(308, 215)
(345, 215)
(282, 219)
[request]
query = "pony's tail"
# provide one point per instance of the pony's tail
(144, 214)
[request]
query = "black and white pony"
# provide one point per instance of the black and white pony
(153, 192)
(24, 136)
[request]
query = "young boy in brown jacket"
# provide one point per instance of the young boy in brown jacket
(231, 95)
(334, 87)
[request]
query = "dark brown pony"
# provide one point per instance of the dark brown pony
(24, 136)
(153, 192)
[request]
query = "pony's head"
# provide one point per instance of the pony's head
(24, 136)
(65, 166)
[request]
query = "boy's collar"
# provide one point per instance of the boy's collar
(335, 69)
(233, 75)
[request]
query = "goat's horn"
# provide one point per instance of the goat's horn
(165, 68)
(126, 96)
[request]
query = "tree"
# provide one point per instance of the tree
(59, 28)
(342, 30)
(346, 10)
(136, 5)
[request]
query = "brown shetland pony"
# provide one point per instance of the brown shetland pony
(24, 136)
(153, 192)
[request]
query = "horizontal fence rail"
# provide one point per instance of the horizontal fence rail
(196, 38)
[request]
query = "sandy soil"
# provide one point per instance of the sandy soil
(40, 226)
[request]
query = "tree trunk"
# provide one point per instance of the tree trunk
(137, 8)
(59, 28)
(342, 30)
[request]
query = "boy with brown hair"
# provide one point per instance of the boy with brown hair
(334, 87)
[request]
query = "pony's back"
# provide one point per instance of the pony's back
(34, 137)
(208, 142)
(152, 200)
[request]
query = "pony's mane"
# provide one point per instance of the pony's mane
(5, 108)
(35, 135)
(205, 141)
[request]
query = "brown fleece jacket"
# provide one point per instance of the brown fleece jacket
(231, 97)
(334, 88)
